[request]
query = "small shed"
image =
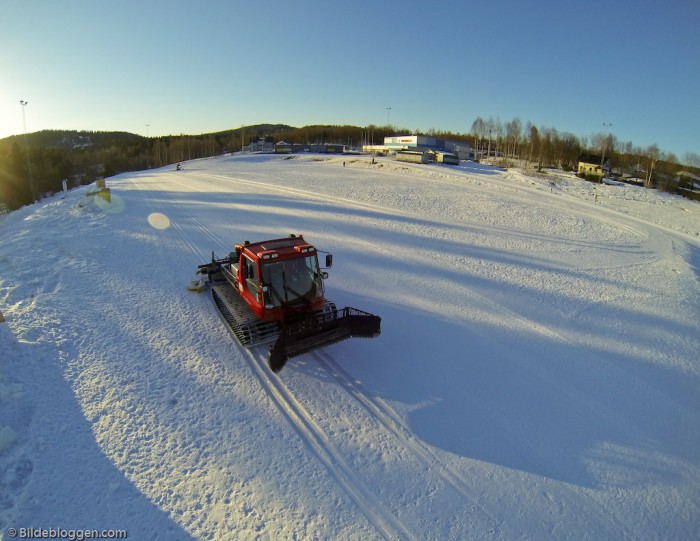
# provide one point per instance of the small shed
(446, 157)
(283, 148)
(592, 165)
(412, 156)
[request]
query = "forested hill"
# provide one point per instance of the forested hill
(48, 157)
(70, 139)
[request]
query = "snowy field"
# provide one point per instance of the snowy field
(537, 376)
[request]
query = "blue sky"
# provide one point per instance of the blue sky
(193, 67)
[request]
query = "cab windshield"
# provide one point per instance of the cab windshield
(291, 280)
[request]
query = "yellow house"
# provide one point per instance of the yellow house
(590, 165)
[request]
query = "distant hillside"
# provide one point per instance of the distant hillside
(257, 130)
(72, 139)
(80, 157)
(69, 139)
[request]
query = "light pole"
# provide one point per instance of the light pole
(387, 116)
(24, 103)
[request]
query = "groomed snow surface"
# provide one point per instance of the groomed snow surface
(537, 376)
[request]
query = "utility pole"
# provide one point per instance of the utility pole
(24, 103)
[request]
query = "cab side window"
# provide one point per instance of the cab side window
(250, 275)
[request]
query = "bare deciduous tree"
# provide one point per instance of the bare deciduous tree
(513, 134)
(652, 155)
(692, 159)
(478, 130)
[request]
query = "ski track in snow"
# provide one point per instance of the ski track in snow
(616, 463)
(386, 524)
(385, 416)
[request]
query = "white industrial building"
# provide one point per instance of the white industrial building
(422, 143)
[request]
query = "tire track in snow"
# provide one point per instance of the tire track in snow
(353, 203)
(390, 420)
(388, 526)
(189, 217)
(165, 207)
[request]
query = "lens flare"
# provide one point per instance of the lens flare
(158, 220)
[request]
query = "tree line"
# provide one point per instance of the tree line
(35, 164)
(546, 147)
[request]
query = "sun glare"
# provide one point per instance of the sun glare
(158, 220)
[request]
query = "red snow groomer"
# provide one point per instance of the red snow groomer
(273, 290)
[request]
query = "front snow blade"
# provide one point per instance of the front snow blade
(319, 330)
(197, 285)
